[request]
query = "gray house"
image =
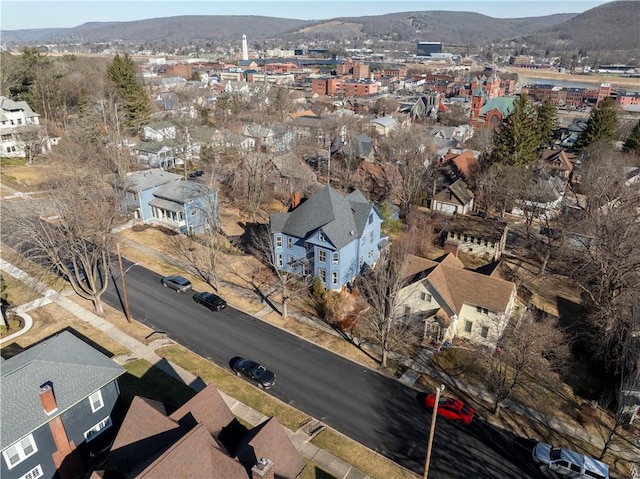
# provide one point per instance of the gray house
(58, 398)
(161, 198)
(329, 236)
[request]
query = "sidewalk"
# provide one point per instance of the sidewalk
(422, 365)
(299, 438)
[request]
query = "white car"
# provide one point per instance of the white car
(569, 463)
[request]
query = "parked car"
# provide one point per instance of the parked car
(569, 463)
(451, 408)
(210, 300)
(81, 275)
(196, 173)
(264, 378)
(177, 283)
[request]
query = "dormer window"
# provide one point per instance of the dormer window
(321, 236)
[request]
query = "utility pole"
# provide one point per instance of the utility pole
(432, 430)
(124, 285)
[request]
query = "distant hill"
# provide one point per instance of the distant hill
(609, 27)
(612, 26)
(452, 28)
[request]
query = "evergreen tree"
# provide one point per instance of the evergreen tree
(632, 143)
(516, 141)
(602, 125)
(136, 104)
(546, 122)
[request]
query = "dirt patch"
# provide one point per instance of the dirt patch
(30, 176)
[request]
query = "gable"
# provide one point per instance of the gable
(73, 368)
(342, 218)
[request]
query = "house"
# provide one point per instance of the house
(384, 125)
(543, 198)
(291, 173)
(476, 236)
(20, 130)
(166, 199)
(159, 131)
(58, 398)
(329, 236)
(465, 161)
(557, 163)
(453, 302)
(157, 154)
(200, 440)
(456, 198)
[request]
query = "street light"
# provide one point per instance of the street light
(124, 284)
(432, 430)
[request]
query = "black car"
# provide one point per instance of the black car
(196, 173)
(210, 300)
(176, 282)
(255, 372)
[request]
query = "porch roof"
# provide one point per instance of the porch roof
(166, 205)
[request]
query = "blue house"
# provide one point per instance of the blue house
(58, 399)
(161, 198)
(329, 236)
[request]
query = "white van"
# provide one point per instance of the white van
(569, 463)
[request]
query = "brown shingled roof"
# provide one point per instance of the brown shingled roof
(270, 440)
(465, 162)
(145, 418)
(206, 407)
(195, 456)
(457, 286)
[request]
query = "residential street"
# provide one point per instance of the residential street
(371, 408)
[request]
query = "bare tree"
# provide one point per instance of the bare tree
(384, 321)
(200, 254)
(528, 346)
(408, 149)
(603, 256)
(255, 168)
(71, 232)
(292, 280)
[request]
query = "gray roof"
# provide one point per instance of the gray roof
(73, 368)
(182, 191)
(7, 104)
(341, 218)
(143, 180)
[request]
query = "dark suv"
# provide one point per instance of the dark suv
(210, 300)
(196, 174)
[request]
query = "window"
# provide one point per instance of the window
(19, 451)
(485, 331)
(323, 275)
(425, 297)
(467, 326)
(33, 473)
(407, 311)
(96, 401)
(334, 277)
(335, 257)
(370, 255)
(289, 243)
(370, 218)
(485, 311)
(278, 241)
(98, 429)
(321, 236)
(371, 237)
(322, 256)
(362, 241)
(279, 261)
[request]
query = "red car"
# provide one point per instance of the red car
(451, 408)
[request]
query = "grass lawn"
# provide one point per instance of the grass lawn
(142, 379)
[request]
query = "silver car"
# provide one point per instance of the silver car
(177, 283)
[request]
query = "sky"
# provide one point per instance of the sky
(27, 14)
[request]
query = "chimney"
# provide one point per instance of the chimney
(295, 199)
(263, 469)
(450, 247)
(48, 399)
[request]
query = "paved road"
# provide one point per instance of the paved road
(371, 408)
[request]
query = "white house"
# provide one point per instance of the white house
(19, 127)
(453, 301)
